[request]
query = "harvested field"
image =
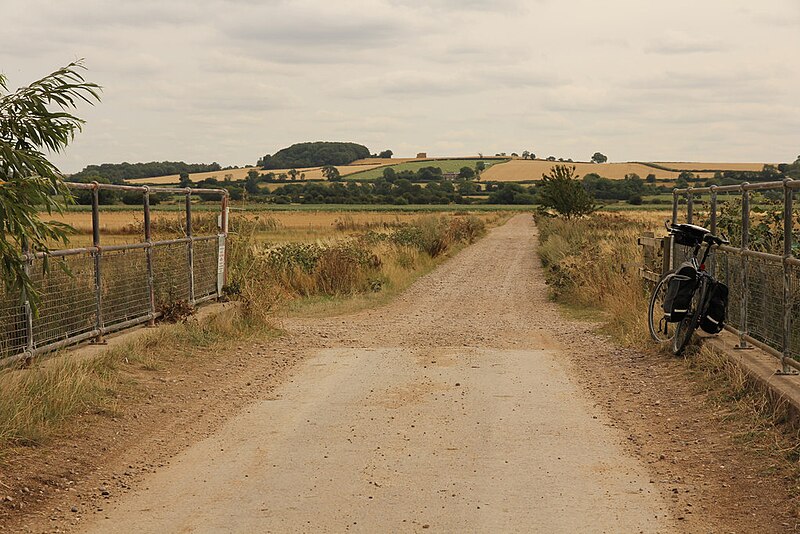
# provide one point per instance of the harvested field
(234, 174)
(689, 166)
(312, 173)
(395, 161)
(513, 170)
(518, 170)
(447, 165)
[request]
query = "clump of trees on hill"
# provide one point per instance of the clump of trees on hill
(131, 171)
(316, 154)
(631, 188)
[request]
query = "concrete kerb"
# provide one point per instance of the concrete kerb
(762, 369)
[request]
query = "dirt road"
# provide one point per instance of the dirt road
(452, 409)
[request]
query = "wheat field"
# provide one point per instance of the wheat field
(119, 227)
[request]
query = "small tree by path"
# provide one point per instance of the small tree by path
(563, 192)
(29, 182)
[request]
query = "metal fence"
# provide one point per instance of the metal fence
(86, 293)
(764, 285)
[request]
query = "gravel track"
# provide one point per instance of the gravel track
(454, 408)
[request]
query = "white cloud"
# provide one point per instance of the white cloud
(230, 80)
(683, 43)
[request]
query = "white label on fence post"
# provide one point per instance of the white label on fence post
(221, 265)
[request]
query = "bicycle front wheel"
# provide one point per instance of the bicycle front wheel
(660, 330)
(687, 326)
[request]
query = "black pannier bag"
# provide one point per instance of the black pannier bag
(681, 287)
(713, 320)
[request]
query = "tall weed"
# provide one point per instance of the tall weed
(591, 262)
(365, 263)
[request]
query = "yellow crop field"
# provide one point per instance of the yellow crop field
(111, 222)
(119, 227)
(311, 173)
(518, 170)
(234, 174)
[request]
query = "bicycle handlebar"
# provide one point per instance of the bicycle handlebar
(708, 238)
(715, 240)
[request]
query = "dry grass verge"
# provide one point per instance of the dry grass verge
(591, 264)
(38, 401)
(771, 422)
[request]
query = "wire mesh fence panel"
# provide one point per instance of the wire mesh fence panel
(12, 325)
(168, 225)
(765, 301)
(205, 267)
(680, 254)
(727, 268)
(68, 305)
(171, 273)
(125, 293)
(729, 217)
(87, 289)
(794, 301)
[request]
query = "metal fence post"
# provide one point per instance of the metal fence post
(674, 206)
(670, 242)
(222, 246)
(714, 209)
(743, 258)
(788, 212)
(98, 285)
(148, 237)
(26, 305)
(689, 206)
(190, 257)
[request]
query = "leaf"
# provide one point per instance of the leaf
(34, 120)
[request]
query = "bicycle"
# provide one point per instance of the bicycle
(689, 297)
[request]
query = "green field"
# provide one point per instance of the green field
(447, 165)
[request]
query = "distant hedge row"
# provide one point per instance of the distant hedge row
(129, 171)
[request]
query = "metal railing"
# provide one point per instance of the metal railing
(764, 287)
(91, 291)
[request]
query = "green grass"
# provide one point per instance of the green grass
(447, 165)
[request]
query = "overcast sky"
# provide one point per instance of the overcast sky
(229, 81)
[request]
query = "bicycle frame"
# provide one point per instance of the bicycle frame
(687, 329)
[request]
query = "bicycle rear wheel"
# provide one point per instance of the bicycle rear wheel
(660, 330)
(686, 327)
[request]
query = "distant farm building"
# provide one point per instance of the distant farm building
(422, 155)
